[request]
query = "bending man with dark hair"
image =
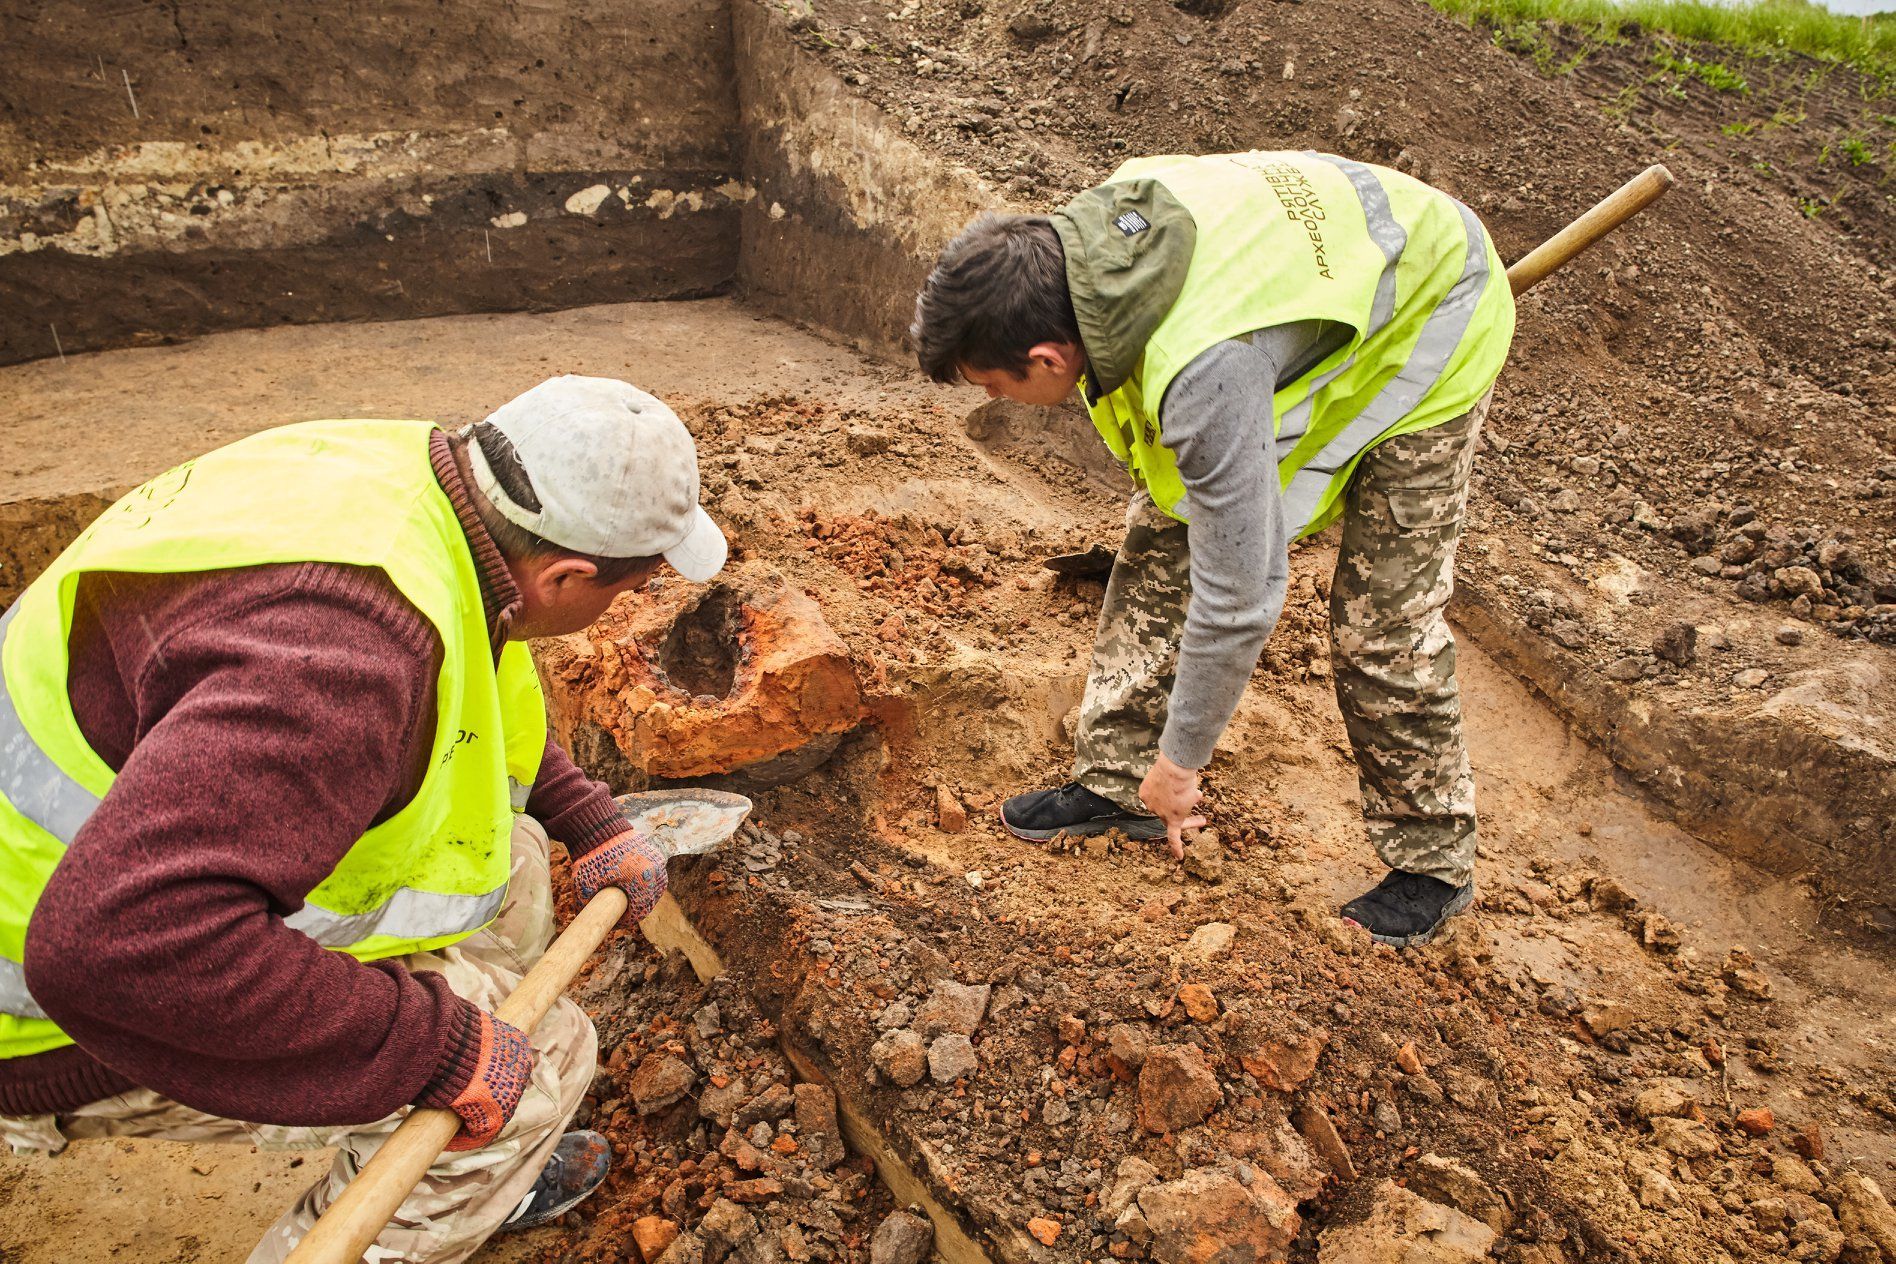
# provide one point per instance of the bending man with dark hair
(1270, 342)
(276, 786)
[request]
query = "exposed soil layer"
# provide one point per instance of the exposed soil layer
(1682, 510)
(1582, 1045)
(229, 164)
(1618, 971)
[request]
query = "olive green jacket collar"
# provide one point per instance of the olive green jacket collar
(1128, 247)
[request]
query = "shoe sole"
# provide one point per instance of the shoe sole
(1457, 905)
(1086, 829)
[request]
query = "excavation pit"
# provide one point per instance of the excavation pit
(846, 911)
(700, 654)
(1524, 1059)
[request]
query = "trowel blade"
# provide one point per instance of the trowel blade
(685, 822)
(1094, 562)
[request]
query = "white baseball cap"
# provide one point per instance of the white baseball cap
(613, 469)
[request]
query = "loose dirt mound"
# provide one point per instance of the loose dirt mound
(1053, 1034)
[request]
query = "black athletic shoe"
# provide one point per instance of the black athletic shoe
(1073, 809)
(578, 1165)
(1406, 910)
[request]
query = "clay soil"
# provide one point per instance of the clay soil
(1696, 413)
(1599, 965)
(1696, 424)
(1613, 954)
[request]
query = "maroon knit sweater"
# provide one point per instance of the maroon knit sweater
(259, 720)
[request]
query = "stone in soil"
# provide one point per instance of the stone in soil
(1284, 1065)
(725, 1227)
(951, 1058)
(1211, 1214)
(1404, 1229)
(1687, 1138)
(1665, 1101)
(1132, 1175)
(1677, 643)
(1863, 1210)
(686, 1248)
(661, 1081)
(949, 814)
(1128, 1044)
(652, 1234)
(1176, 1088)
(817, 1133)
(773, 1103)
(901, 1056)
(1443, 1180)
(1211, 940)
(1205, 857)
(901, 1238)
(1200, 1005)
(952, 1007)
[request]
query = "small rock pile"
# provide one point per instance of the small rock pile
(1821, 577)
(720, 1157)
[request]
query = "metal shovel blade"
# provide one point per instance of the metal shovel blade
(685, 822)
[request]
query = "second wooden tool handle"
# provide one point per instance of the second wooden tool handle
(359, 1213)
(1609, 213)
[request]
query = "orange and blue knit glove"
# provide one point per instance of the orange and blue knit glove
(629, 861)
(503, 1063)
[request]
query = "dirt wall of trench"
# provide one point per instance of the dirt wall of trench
(849, 212)
(183, 169)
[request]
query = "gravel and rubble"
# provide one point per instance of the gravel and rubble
(719, 1154)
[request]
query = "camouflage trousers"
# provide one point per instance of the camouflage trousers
(1391, 649)
(465, 1196)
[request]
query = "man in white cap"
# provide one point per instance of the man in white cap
(276, 788)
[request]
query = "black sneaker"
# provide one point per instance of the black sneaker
(1406, 910)
(578, 1165)
(1073, 809)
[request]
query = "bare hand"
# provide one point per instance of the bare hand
(1170, 793)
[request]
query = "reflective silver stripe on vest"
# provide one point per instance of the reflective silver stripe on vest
(1428, 360)
(1390, 238)
(407, 914)
(43, 793)
(1384, 229)
(40, 791)
(38, 788)
(517, 794)
(14, 998)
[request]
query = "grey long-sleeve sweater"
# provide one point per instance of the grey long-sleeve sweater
(1216, 418)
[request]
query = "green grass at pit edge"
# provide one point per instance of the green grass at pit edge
(1763, 28)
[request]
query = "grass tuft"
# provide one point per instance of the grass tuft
(1762, 28)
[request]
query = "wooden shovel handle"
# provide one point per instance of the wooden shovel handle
(362, 1210)
(1609, 213)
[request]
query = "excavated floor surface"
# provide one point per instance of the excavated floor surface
(1598, 967)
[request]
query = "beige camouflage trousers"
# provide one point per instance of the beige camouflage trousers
(465, 1196)
(1391, 649)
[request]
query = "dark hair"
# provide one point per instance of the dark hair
(516, 543)
(998, 289)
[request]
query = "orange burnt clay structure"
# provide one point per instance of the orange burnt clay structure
(742, 677)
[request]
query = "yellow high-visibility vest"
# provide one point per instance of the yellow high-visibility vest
(359, 493)
(1284, 237)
